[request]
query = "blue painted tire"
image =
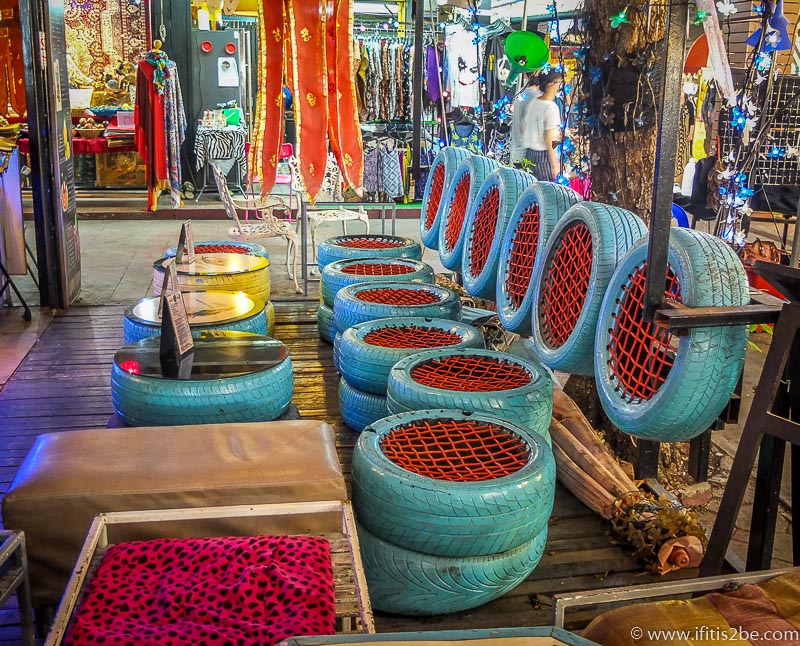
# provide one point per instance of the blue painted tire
(366, 246)
(485, 227)
(257, 397)
(567, 298)
(136, 328)
(461, 194)
(439, 177)
(351, 308)
(360, 409)
(325, 323)
(336, 275)
(365, 353)
(448, 517)
(404, 582)
(250, 248)
(529, 403)
(706, 363)
(536, 214)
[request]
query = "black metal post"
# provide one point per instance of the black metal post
(35, 57)
(666, 149)
(765, 503)
(419, 21)
(646, 467)
(699, 449)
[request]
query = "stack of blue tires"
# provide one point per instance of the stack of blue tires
(365, 353)
(345, 260)
(452, 508)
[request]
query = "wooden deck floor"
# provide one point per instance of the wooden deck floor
(64, 384)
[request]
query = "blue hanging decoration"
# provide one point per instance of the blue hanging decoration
(779, 24)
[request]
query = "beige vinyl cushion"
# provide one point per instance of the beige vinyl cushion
(68, 478)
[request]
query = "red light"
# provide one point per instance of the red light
(230, 48)
(131, 367)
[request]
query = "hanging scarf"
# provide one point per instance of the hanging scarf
(343, 127)
(158, 59)
(269, 123)
(314, 42)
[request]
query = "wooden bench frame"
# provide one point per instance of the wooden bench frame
(670, 589)
(347, 565)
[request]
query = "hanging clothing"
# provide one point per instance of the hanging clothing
(160, 126)
(466, 135)
(463, 72)
(432, 64)
(495, 67)
(372, 171)
(391, 173)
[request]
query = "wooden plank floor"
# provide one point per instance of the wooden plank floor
(64, 384)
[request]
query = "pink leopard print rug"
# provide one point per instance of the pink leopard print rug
(233, 591)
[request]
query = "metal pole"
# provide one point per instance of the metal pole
(666, 149)
(419, 17)
(795, 240)
(521, 81)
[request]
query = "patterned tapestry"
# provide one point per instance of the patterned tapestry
(101, 34)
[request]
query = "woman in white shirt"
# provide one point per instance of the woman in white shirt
(541, 128)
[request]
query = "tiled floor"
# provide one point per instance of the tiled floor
(117, 256)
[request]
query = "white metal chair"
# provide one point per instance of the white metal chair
(331, 191)
(267, 226)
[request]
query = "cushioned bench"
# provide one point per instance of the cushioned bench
(68, 478)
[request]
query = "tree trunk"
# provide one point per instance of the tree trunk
(628, 95)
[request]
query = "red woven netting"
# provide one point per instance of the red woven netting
(458, 211)
(220, 248)
(399, 296)
(483, 230)
(522, 256)
(641, 354)
(368, 243)
(566, 284)
(377, 269)
(456, 450)
(435, 196)
(411, 336)
(470, 373)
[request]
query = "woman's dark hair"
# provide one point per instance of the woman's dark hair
(546, 78)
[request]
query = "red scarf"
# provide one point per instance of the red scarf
(313, 38)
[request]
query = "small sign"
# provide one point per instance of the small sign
(185, 243)
(176, 350)
(169, 282)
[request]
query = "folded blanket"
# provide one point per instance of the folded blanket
(213, 591)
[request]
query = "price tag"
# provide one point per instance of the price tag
(170, 281)
(185, 243)
(178, 323)
(189, 240)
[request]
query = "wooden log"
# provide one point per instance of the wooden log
(594, 466)
(570, 416)
(581, 485)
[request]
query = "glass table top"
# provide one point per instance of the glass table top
(217, 355)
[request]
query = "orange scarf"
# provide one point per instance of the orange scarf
(312, 37)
